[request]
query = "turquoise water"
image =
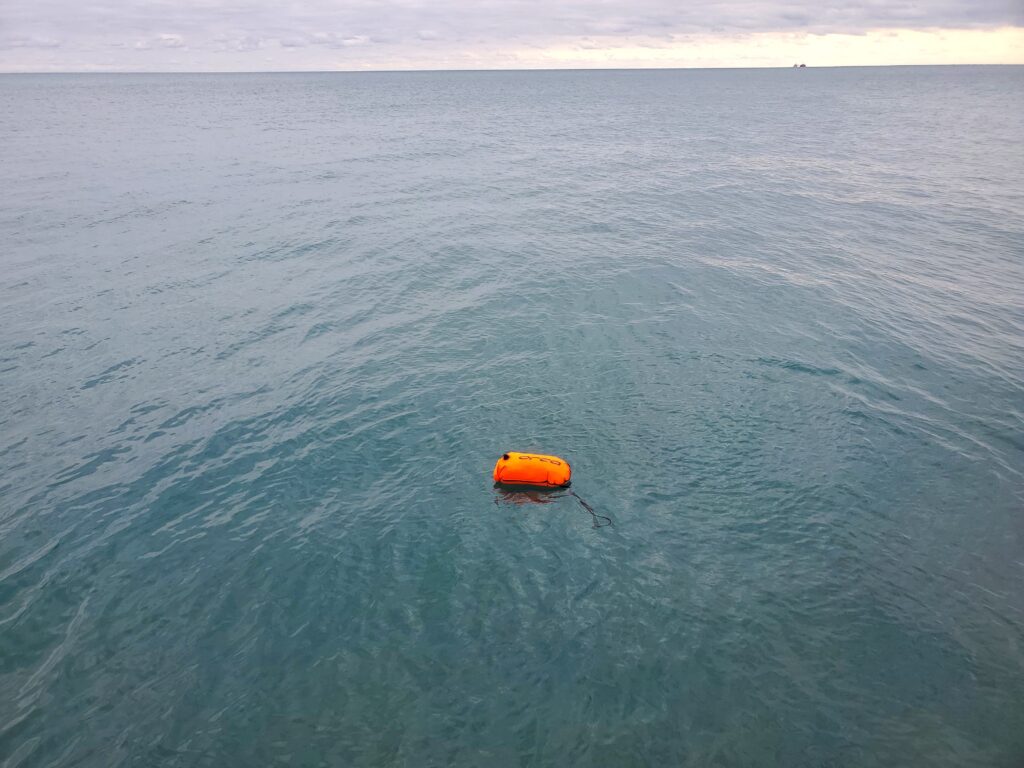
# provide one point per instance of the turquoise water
(262, 338)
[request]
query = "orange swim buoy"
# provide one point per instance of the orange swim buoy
(532, 469)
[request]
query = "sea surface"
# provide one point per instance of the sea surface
(263, 337)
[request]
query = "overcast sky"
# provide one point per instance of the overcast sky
(258, 35)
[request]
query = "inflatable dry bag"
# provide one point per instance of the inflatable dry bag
(532, 469)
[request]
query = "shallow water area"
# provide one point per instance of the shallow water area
(263, 337)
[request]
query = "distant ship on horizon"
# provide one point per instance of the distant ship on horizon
(799, 66)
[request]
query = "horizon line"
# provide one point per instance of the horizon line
(471, 70)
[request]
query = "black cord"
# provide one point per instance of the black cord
(593, 514)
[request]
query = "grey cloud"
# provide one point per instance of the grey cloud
(29, 42)
(147, 44)
(323, 39)
(240, 44)
(497, 18)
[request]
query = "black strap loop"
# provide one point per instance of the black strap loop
(593, 514)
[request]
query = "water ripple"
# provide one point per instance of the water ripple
(254, 386)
